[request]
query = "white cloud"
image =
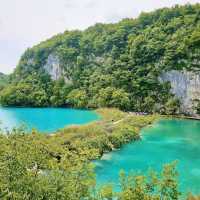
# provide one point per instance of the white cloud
(24, 23)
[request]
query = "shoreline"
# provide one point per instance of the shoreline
(189, 117)
(197, 117)
(139, 137)
(115, 127)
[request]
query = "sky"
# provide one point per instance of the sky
(24, 23)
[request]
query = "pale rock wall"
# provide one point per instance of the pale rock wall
(53, 68)
(186, 87)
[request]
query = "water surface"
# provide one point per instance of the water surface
(166, 141)
(44, 119)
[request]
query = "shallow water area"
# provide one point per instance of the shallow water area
(164, 142)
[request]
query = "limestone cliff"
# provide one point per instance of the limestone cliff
(53, 67)
(186, 87)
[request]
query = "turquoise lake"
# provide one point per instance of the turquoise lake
(164, 142)
(44, 119)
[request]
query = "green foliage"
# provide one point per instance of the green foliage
(198, 107)
(31, 91)
(4, 79)
(172, 106)
(151, 188)
(112, 97)
(60, 90)
(30, 170)
(77, 98)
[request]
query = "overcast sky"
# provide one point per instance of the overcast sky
(24, 23)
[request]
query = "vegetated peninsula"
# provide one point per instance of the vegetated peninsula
(148, 64)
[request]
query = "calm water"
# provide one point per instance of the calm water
(44, 119)
(166, 141)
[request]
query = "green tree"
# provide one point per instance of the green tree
(172, 106)
(77, 98)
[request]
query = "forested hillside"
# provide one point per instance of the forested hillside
(111, 65)
(3, 80)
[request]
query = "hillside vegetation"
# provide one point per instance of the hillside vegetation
(3, 80)
(111, 65)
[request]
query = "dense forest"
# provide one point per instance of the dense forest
(111, 65)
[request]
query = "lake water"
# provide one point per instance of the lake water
(44, 119)
(166, 141)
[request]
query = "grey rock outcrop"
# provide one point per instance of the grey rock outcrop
(53, 67)
(186, 87)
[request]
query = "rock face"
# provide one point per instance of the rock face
(186, 87)
(53, 68)
(184, 84)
